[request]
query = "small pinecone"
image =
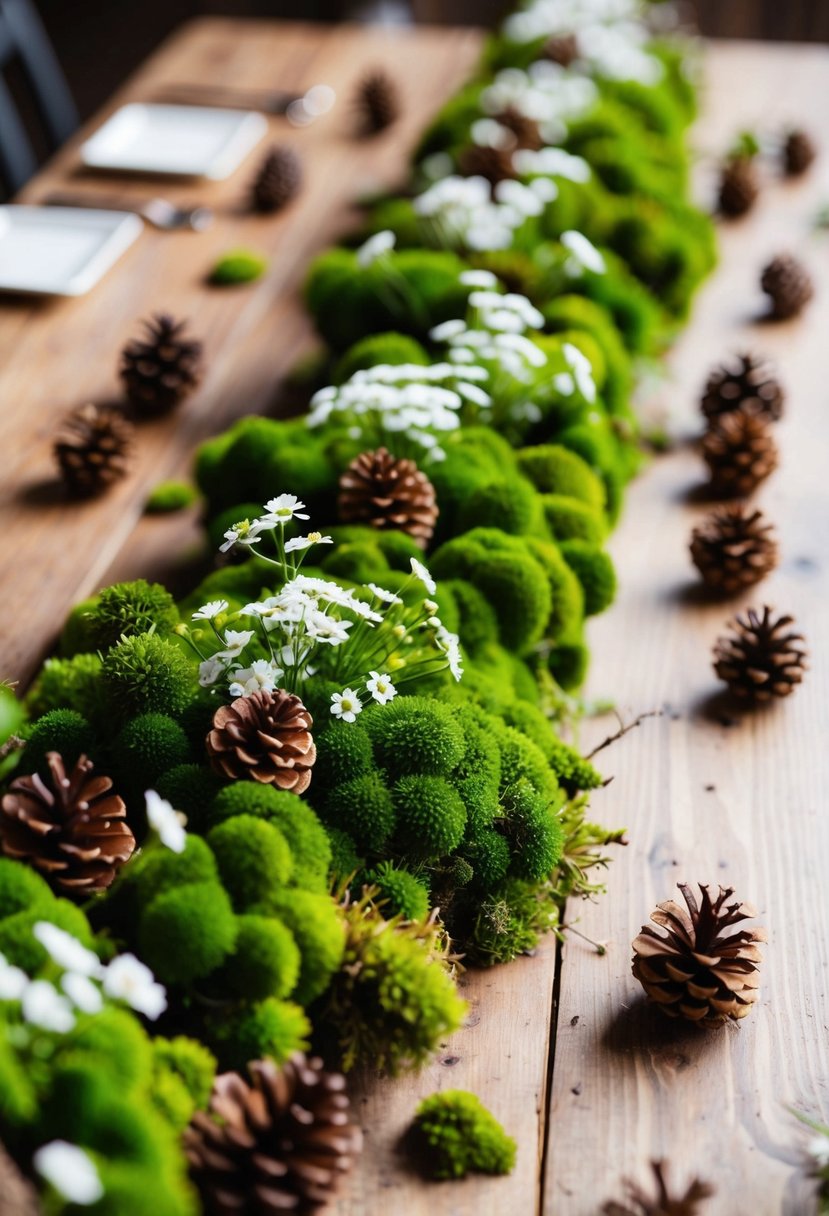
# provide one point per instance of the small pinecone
(281, 1143)
(526, 130)
(751, 386)
(640, 1203)
(278, 181)
(159, 371)
(378, 103)
(698, 969)
(740, 453)
(265, 737)
(733, 549)
(388, 494)
(788, 284)
(495, 164)
(70, 826)
(562, 49)
(92, 448)
(19, 1197)
(761, 658)
(739, 186)
(798, 153)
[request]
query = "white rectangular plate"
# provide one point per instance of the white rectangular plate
(188, 141)
(61, 250)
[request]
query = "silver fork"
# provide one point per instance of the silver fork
(159, 212)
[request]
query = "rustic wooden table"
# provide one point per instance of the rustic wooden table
(562, 1049)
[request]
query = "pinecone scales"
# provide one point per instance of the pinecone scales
(761, 658)
(69, 826)
(92, 448)
(663, 1203)
(799, 152)
(739, 186)
(388, 494)
(750, 384)
(740, 452)
(160, 370)
(265, 737)
(378, 103)
(281, 1143)
(789, 286)
(494, 164)
(702, 968)
(278, 181)
(733, 548)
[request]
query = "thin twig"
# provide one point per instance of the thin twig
(597, 946)
(623, 730)
(13, 744)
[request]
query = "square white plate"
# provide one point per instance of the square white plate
(61, 250)
(188, 141)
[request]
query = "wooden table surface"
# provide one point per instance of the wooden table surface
(590, 1083)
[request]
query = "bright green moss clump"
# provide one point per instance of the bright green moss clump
(61, 730)
(456, 1135)
(553, 469)
(20, 947)
(362, 807)
(253, 859)
(128, 609)
(66, 684)
(317, 926)
(431, 816)
(238, 266)
(403, 894)
(273, 1028)
(594, 570)
(265, 960)
(147, 673)
(187, 932)
(292, 817)
(414, 735)
(21, 888)
(169, 496)
(146, 747)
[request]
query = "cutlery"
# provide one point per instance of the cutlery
(156, 211)
(300, 108)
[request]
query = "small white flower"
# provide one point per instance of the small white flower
(262, 675)
(210, 671)
(207, 612)
(381, 688)
(235, 642)
(447, 330)
(128, 979)
(285, 507)
(13, 981)
(305, 542)
(582, 371)
(43, 1006)
(818, 1150)
(70, 1171)
(479, 278)
(386, 597)
(242, 533)
(375, 247)
(66, 950)
(584, 252)
(420, 571)
(165, 821)
(430, 606)
(346, 705)
(83, 994)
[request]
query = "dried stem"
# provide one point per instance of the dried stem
(623, 730)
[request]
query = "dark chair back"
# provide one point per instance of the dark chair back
(23, 41)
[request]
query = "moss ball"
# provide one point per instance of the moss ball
(566, 595)
(431, 816)
(535, 834)
(317, 927)
(521, 759)
(191, 788)
(147, 674)
(509, 504)
(169, 496)
(530, 720)
(145, 748)
(21, 948)
(477, 623)
(272, 1028)
(489, 855)
(265, 960)
(345, 860)
(553, 469)
(569, 519)
(129, 609)
(115, 1041)
(191, 1061)
(414, 735)
(61, 730)
(389, 348)
(363, 808)
(21, 888)
(187, 932)
(253, 858)
(568, 664)
(159, 869)
(594, 570)
(66, 684)
(293, 817)
(343, 752)
(403, 894)
(456, 1135)
(238, 266)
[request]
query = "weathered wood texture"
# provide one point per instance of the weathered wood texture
(54, 355)
(708, 795)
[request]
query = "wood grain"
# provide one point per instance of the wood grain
(709, 795)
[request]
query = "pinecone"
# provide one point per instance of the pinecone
(788, 284)
(92, 448)
(640, 1203)
(159, 371)
(71, 827)
(526, 130)
(378, 103)
(280, 1144)
(388, 494)
(761, 658)
(739, 186)
(733, 549)
(750, 385)
(278, 181)
(740, 453)
(562, 49)
(480, 160)
(798, 153)
(18, 1195)
(265, 737)
(697, 969)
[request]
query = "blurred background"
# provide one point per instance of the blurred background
(98, 44)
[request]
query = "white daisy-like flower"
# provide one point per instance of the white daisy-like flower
(479, 278)
(818, 1150)
(420, 572)
(210, 611)
(13, 981)
(165, 821)
(285, 507)
(381, 688)
(299, 543)
(42, 1005)
(83, 994)
(242, 533)
(66, 950)
(376, 247)
(582, 370)
(585, 254)
(129, 980)
(211, 670)
(235, 642)
(449, 643)
(70, 1171)
(386, 597)
(261, 676)
(327, 629)
(346, 705)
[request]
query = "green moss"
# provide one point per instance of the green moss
(265, 960)
(253, 859)
(170, 496)
(534, 833)
(403, 894)
(187, 932)
(160, 869)
(414, 735)
(191, 1061)
(271, 1029)
(362, 807)
(66, 684)
(21, 888)
(555, 470)
(129, 609)
(477, 623)
(489, 855)
(293, 817)
(343, 752)
(147, 746)
(345, 860)
(21, 948)
(456, 1135)
(569, 519)
(147, 674)
(115, 1042)
(568, 664)
(316, 924)
(431, 816)
(521, 759)
(191, 788)
(510, 504)
(61, 730)
(389, 348)
(594, 570)
(238, 266)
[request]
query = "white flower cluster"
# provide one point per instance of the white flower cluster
(546, 93)
(551, 162)
(463, 214)
(497, 333)
(70, 1171)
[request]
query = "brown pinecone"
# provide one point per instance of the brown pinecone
(798, 153)
(526, 130)
(739, 186)
(733, 549)
(70, 826)
(265, 737)
(740, 453)
(388, 494)
(378, 103)
(788, 284)
(160, 370)
(278, 181)
(480, 160)
(562, 49)
(19, 1197)
(698, 969)
(280, 1144)
(92, 448)
(640, 1203)
(761, 658)
(750, 385)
